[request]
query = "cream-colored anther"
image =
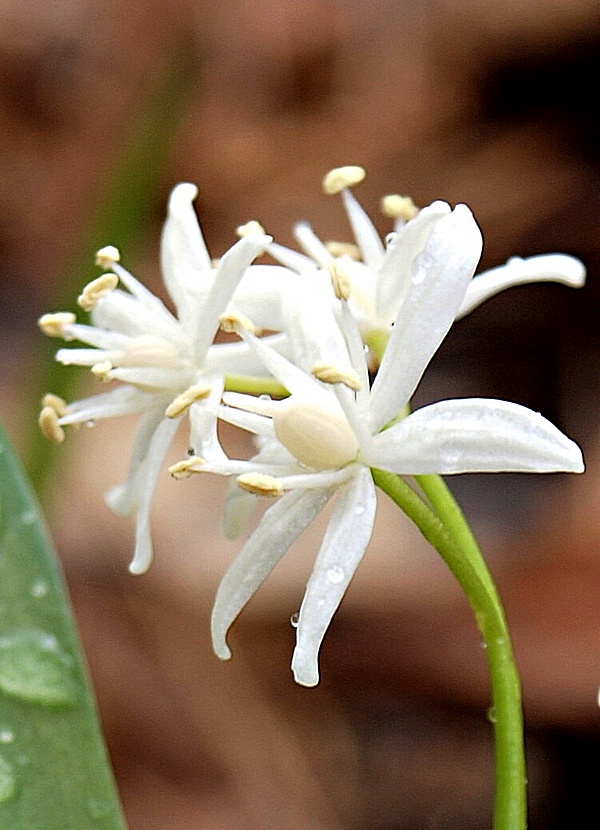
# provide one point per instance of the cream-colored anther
(186, 467)
(251, 228)
(327, 373)
(59, 405)
(96, 289)
(347, 249)
(232, 323)
(317, 437)
(260, 484)
(49, 425)
(340, 280)
(399, 207)
(101, 370)
(53, 325)
(182, 402)
(107, 256)
(341, 177)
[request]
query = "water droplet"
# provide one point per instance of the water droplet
(335, 574)
(7, 736)
(91, 423)
(295, 619)
(39, 589)
(359, 509)
(34, 668)
(8, 782)
(450, 457)
(265, 398)
(491, 714)
(28, 517)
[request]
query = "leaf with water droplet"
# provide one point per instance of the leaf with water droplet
(53, 763)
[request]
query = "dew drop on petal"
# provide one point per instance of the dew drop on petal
(295, 619)
(335, 574)
(91, 423)
(264, 397)
(39, 589)
(359, 510)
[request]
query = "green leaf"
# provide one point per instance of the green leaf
(54, 771)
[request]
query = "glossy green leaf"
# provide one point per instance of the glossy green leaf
(54, 771)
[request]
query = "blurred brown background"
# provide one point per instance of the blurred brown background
(488, 103)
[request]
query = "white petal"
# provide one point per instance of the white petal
(203, 423)
(231, 269)
(145, 484)
(474, 435)
(439, 281)
(184, 258)
(290, 258)
(99, 338)
(311, 244)
(239, 506)
(121, 313)
(280, 527)
(365, 232)
(394, 277)
(546, 268)
(121, 401)
(343, 547)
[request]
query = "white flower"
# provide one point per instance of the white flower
(167, 364)
(380, 274)
(326, 436)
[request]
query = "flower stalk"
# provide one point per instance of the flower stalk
(444, 526)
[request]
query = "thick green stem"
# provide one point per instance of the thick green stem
(444, 526)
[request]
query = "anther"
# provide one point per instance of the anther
(340, 280)
(260, 484)
(182, 402)
(49, 425)
(59, 405)
(341, 177)
(101, 370)
(232, 323)
(399, 207)
(252, 228)
(96, 289)
(185, 468)
(53, 325)
(327, 373)
(347, 249)
(106, 257)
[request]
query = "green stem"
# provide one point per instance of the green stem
(446, 529)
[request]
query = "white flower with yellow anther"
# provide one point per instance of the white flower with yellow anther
(167, 364)
(379, 274)
(323, 440)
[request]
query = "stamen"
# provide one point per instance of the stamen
(101, 370)
(53, 325)
(399, 207)
(340, 280)
(107, 256)
(185, 468)
(182, 402)
(327, 373)
(348, 249)
(260, 485)
(250, 228)
(341, 177)
(49, 425)
(232, 323)
(59, 405)
(96, 289)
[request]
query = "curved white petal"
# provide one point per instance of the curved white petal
(145, 484)
(311, 244)
(203, 423)
(474, 435)
(517, 271)
(231, 269)
(394, 277)
(439, 281)
(280, 527)
(365, 232)
(184, 259)
(346, 539)
(123, 400)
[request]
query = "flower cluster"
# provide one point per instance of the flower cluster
(336, 313)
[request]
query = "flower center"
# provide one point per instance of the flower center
(317, 437)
